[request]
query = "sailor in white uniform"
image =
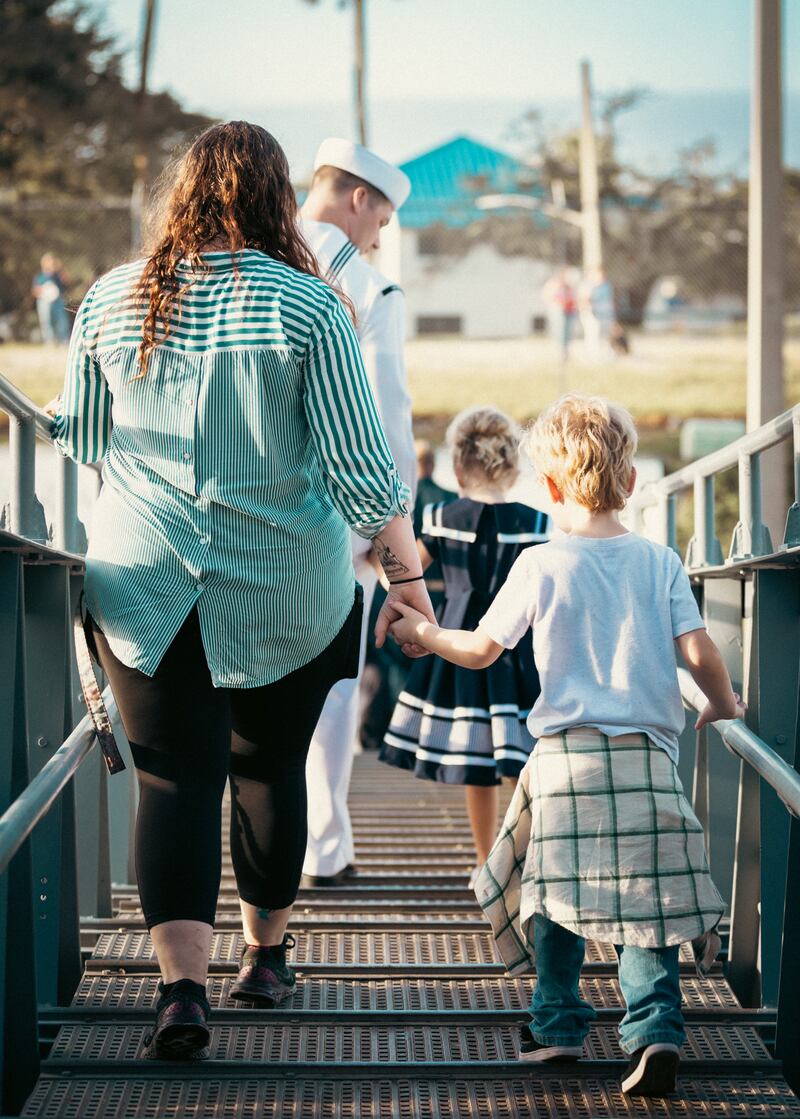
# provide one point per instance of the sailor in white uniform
(352, 197)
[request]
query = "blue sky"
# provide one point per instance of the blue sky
(438, 67)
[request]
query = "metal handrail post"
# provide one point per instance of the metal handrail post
(19, 1050)
(667, 520)
(750, 536)
(704, 548)
(791, 534)
(68, 535)
(25, 514)
(700, 778)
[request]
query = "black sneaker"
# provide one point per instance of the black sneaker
(181, 1030)
(264, 976)
(531, 1050)
(652, 1070)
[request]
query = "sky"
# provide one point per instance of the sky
(443, 67)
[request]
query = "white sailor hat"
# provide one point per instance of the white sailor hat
(366, 165)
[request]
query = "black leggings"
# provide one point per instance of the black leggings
(187, 739)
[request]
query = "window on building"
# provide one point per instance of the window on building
(440, 324)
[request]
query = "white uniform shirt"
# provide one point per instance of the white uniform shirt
(380, 326)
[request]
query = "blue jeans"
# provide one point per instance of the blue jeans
(648, 978)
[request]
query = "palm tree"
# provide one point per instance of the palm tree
(359, 64)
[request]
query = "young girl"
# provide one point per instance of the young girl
(599, 840)
(450, 724)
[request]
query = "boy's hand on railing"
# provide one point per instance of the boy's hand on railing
(712, 713)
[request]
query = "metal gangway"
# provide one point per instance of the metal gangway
(403, 1009)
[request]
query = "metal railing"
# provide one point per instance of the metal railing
(751, 606)
(55, 855)
(24, 515)
(33, 804)
(747, 746)
(751, 537)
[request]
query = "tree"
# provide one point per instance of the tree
(68, 133)
(690, 225)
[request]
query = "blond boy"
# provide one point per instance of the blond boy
(599, 840)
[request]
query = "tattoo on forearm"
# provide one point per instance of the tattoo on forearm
(388, 560)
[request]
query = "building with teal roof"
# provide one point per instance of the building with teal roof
(447, 291)
(446, 182)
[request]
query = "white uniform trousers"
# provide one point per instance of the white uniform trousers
(330, 759)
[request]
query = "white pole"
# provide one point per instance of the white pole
(765, 387)
(590, 191)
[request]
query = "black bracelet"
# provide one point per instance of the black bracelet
(399, 582)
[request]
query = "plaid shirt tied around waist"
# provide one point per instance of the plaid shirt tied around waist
(600, 838)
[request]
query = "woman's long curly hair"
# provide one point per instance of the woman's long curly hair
(230, 190)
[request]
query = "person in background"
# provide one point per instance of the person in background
(352, 198)
(599, 840)
(429, 493)
(450, 724)
(559, 295)
(220, 382)
(386, 670)
(596, 300)
(618, 340)
(48, 289)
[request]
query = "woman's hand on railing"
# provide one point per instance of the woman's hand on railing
(712, 713)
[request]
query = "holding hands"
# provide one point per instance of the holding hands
(408, 628)
(397, 557)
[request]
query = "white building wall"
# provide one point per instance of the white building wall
(495, 296)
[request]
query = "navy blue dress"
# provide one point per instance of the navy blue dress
(459, 725)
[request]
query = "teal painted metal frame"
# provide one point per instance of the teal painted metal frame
(765, 613)
(41, 827)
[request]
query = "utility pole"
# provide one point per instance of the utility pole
(359, 69)
(590, 190)
(765, 386)
(140, 167)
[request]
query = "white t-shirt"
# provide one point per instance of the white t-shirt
(604, 614)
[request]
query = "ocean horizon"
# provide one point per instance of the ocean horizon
(650, 136)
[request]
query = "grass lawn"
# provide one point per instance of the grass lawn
(666, 379)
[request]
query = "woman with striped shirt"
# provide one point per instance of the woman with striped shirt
(221, 383)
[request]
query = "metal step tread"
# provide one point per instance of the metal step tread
(291, 1043)
(365, 893)
(139, 992)
(552, 1093)
(130, 921)
(403, 1009)
(346, 949)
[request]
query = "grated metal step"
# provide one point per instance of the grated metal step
(313, 902)
(547, 1094)
(438, 952)
(92, 928)
(403, 1010)
(289, 1043)
(138, 992)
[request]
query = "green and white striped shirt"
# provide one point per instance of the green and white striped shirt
(231, 471)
